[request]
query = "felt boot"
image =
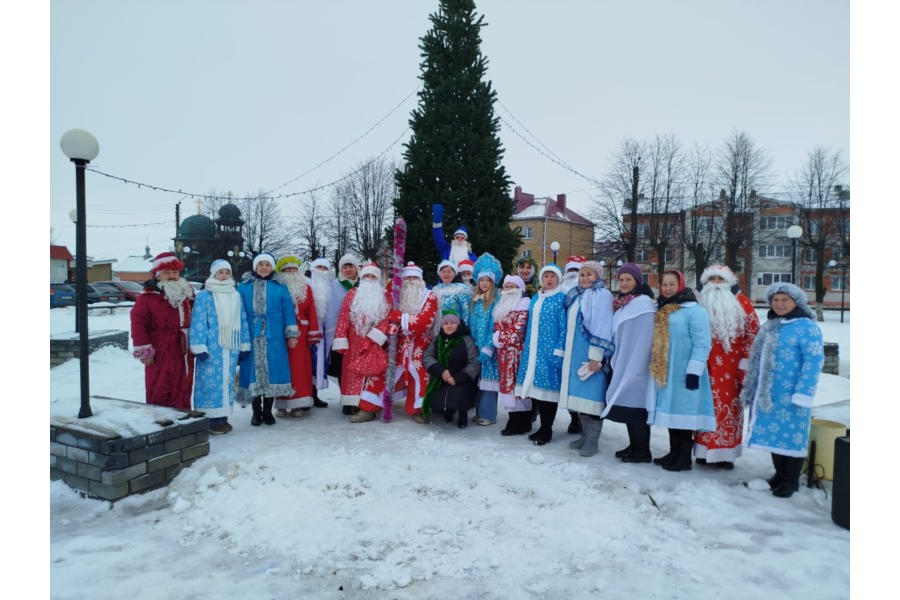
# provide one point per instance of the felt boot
(684, 447)
(267, 417)
(639, 435)
(519, 423)
(592, 426)
(664, 460)
(544, 434)
(790, 482)
(256, 419)
(778, 463)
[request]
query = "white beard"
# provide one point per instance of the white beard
(320, 282)
(569, 281)
(411, 296)
(368, 306)
(458, 251)
(726, 315)
(296, 284)
(508, 301)
(176, 291)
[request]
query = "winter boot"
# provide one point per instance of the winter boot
(519, 423)
(664, 460)
(577, 444)
(626, 451)
(684, 447)
(639, 435)
(316, 402)
(574, 423)
(463, 420)
(267, 417)
(544, 434)
(790, 472)
(778, 463)
(592, 427)
(256, 419)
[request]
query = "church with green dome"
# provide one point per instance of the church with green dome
(201, 240)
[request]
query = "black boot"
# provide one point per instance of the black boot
(544, 434)
(684, 447)
(639, 435)
(778, 463)
(448, 415)
(519, 423)
(316, 402)
(574, 423)
(463, 420)
(534, 410)
(267, 417)
(256, 419)
(667, 459)
(790, 482)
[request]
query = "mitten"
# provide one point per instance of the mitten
(495, 339)
(437, 212)
(584, 371)
(692, 382)
(202, 356)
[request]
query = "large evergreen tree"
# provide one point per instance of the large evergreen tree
(453, 156)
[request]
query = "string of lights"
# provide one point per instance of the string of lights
(522, 125)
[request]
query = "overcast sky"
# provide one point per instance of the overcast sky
(245, 96)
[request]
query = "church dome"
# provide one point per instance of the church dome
(230, 212)
(197, 227)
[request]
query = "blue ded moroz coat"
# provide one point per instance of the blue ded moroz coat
(540, 368)
(271, 319)
(588, 337)
(690, 341)
(214, 377)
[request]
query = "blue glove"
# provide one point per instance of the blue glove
(437, 212)
(202, 356)
(243, 355)
(692, 382)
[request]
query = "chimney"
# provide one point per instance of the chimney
(561, 203)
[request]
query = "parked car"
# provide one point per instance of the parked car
(104, 292)
(61, 294)
(131, 289)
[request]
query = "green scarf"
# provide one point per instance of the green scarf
(445, 346)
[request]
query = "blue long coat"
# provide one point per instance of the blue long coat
(783, 372)
(690, 341)
(587, 396)
(481, 324)
(214, 376)
(540, 368)
(271, 319)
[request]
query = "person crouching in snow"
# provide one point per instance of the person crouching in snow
(219, 335)
(291, 276)
(780, 386)
(539, 375)
(453, 367)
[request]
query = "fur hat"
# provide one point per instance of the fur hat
(219, 264)
(633, 270)
(574, 263)
(348, 259)
(720, 270)
(551, 267)
(796, 294)
(320, 262)
(516, 280)
(263, 256)
(166, 261)
(461, 230)
(465, 265)
(288, 260)
(446, 263)
(412, 270)
(370, 268)
(594, 266)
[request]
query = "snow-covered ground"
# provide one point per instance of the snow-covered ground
(317, 507)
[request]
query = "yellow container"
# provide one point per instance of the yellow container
(824, 433)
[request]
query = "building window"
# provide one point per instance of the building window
(808, 255)
(770, 278)
(774, 251)
(838, 254)
(527, 233)
(775, 222)
(642, 255)
(808, 282)
(526, 253)
(643, 230)
(838, 283)
(704, 224)
(670, 255)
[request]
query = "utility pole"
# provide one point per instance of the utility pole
(631, 249)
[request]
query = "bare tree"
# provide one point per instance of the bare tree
(665, 175)
(620, 193)
(702, 226)
(821, 203)
(743, 168)
(309, 228)
(264, 228)
(364, 203)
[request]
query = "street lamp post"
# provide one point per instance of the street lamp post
(554, 247)
(794, 232)
(81, 148)
(833, 263)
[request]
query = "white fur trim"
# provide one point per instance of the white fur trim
(199, 349)
(377, 336)
(488, 350)
(595, 353)
(696, 367)
(802, 400)
(744, 364)
(559, 352)
(340, 344)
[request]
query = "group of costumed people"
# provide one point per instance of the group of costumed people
(531, 340)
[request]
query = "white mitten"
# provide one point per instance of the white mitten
(584, 371)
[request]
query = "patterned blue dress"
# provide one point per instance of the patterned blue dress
(540, 369)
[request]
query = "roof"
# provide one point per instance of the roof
(529, 207)
(133, 264)
(60, 252)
